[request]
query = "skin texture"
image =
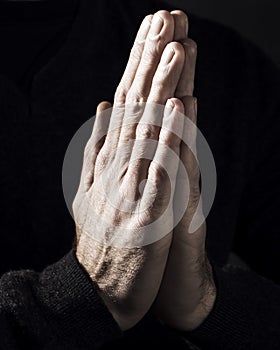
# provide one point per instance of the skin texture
(187, 292)
(160, 70)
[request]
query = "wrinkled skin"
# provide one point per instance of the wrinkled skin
(173, 273)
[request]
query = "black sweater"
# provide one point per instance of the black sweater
(239, 100)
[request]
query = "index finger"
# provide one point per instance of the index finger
(134, 60)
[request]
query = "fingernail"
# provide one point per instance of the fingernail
(157, 25)
(167, 55)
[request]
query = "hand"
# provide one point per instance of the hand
(187, 293)
(128, 279)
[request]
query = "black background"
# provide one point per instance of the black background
(257, 20)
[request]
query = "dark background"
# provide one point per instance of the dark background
(258, 20)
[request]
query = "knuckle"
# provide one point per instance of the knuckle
(152, 51)
(130, 96)
(101, 162)
(194, 196)
(120, 94)
(93, 146)
(157, 173)
(169, 139)
(146, 131)
(136, 51)
(134, 96)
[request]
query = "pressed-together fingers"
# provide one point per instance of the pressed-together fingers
(170, 138)
(184, 91)
(187, 193)
(167, 74)
(156, 151)
(160, 34)
(188, 151)
(185, 85)
(133, 61)
(95, 143)
(152, 75)
(155, 32)
(181, 25)
(126, 82)
(163, 87)
(155, 81)
(162, 170)
(187, 187)
(148, 128)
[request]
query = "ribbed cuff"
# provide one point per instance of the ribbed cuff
(75, 311)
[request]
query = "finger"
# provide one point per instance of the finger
(187, 193)
(167, 75)
(115, 126)
(163, 168)
(188, 150)
(132, 115)
(188, 146)
(144, 76)
(125, 84)
(101, 108)
(163, 88)
(133, 61)
(181, 25)
(186, 83)
(143, 149)
(95, 142)
(160, 33)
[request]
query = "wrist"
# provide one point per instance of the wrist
(195, 304)
(202, 311)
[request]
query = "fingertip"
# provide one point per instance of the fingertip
(190, 45)
(164, 14)
(181, 24)
(148, 18)
(144, 28)
(103, 106)
(176, 104)
(178, 53)
(174, 117)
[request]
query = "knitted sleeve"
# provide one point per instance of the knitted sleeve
(56, 309)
